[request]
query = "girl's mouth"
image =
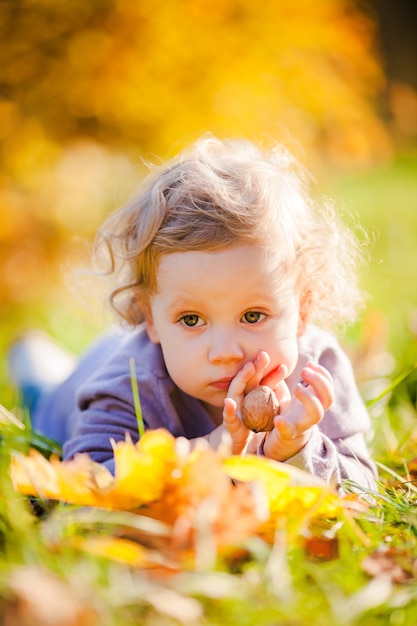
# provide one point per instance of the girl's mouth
(222, 384)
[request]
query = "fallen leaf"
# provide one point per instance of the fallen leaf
(147, 463)
(387, 562)
(293, 495)
(119, 549)
(207, 500)
(84, 482)
(412, 468)
(322, 548)
(170, 602)
(42, 599)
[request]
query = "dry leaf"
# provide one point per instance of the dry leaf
(388, 563)
(119, 549)
(293, 495)
(147, 463)
(84, 482)
(42, 599)
(208, 501)
(323, 548)
(179, 607)
(412, 468)
(201, 500)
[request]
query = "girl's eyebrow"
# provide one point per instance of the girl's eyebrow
(180, 305)
(280, 292)
(182, 300)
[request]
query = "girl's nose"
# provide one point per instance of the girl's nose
(224, 347)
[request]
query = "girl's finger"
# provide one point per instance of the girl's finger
(322, 386)
(313, 408)
(229, 409)
(274, 378)
(316, 367)
(240, 381)
(287, 430)
(260, 363)
(283, 396)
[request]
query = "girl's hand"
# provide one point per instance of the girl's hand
(251, 375)
(307, 406)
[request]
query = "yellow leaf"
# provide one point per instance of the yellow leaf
(189, 490)
(116, 549)
(83, 481)
(34, 475)
(292, 494)
(274, 476)
(141, 469)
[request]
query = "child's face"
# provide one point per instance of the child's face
(214, 311)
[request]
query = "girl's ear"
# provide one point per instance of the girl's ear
(305, 307)
(302, 325)
(150, 326)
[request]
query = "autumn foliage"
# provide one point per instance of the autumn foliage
(89, 89)
(196, 493)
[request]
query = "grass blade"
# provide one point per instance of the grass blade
(394, 383)
(136, 398)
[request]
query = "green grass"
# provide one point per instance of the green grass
(370, 579)
(385, 202)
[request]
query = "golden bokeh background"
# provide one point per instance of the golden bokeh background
(89, 90)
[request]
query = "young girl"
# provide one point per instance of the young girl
(222, 263)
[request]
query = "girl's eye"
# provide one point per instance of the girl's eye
(251, 317)
(191, 320)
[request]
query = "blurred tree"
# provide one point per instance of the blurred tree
(146, 74)
(397, 27)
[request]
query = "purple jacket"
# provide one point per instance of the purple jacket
(105, 410)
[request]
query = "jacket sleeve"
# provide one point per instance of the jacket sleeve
(105, 414)
(105, 408)
(337, 460)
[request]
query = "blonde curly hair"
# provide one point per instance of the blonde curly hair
(221, 193)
